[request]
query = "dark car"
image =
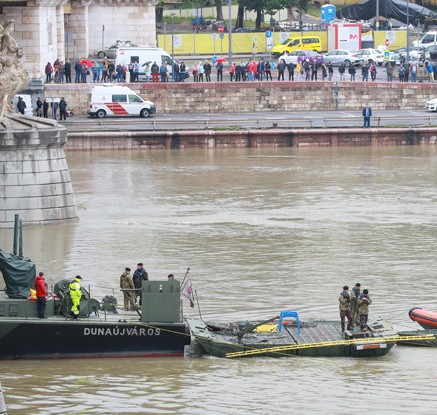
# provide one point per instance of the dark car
(243, 30)
(215, 26)
(111, 51)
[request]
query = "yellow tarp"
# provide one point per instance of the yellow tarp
(267, 328)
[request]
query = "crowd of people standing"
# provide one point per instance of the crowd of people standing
(252, 70)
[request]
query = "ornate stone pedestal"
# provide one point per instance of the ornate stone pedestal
(34, 176)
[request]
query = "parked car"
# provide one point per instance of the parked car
(114, 101)
(111, 51)
(428, 39)
(431, 105)
(371, 55)
(428, 53)
(300, 56)
(243, 30)
(298, 43)
(413, 53)
(339, 56)
(400, 56)
(215, 26)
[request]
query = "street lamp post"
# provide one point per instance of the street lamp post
(230, 33)
(172, 45)
(408, 31)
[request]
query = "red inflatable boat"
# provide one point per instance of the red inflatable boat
(427, 319)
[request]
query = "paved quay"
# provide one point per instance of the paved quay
(417, 117)
(273, 129)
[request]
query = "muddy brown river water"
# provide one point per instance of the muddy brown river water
(262, 230)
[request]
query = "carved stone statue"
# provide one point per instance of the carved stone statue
(13, 78)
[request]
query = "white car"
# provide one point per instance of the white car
(300, 55)
(431, 105)
(339, 56)
(371, 55)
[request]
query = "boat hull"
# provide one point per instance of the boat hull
(427, 319)
(218, 349)
(45, 339)
(424, 343)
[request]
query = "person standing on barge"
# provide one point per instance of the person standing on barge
(127, 285)
(363, 309)
(41, 294)
(140, 275)
(75, 295)
(344, 306)
(355, 296)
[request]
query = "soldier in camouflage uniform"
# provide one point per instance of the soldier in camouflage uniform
(363, 309)
(344, 306)
(127, 283)
(355, 296)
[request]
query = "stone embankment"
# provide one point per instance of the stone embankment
(326, 137)
(213, 97)
(231, 97)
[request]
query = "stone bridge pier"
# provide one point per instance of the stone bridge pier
(34, 177)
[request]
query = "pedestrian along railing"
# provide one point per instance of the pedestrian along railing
(245, 123)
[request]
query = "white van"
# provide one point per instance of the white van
(428, 39)
(128, 55)
(114, 100)
(29, 103)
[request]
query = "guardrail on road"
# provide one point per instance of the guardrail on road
(232, 123)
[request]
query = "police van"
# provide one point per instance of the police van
(143, 56)
(113, 100)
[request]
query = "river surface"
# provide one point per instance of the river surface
(262, 230)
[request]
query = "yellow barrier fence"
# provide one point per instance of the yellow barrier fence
(248, 43)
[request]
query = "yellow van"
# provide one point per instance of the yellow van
(305, 42)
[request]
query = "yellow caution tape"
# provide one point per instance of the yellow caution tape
(388, 339)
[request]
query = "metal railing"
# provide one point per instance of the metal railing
(244, 123)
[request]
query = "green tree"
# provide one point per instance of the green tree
(200, 4)
(271, 7)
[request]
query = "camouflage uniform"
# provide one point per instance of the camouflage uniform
(129, 296)
(363, 310)
(355, 295)
(344, 306)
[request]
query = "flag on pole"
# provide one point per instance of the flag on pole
(187, 290)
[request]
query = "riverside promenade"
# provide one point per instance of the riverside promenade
(263, 99)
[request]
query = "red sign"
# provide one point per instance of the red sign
(221, 29)
(387, 42)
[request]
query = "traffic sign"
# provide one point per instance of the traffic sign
(269, 33)
(214, 36)
(222, 35)
(221, 29)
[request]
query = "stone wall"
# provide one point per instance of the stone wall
(39, 30)
(327, 137)
(261, 96)
(130, 20)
